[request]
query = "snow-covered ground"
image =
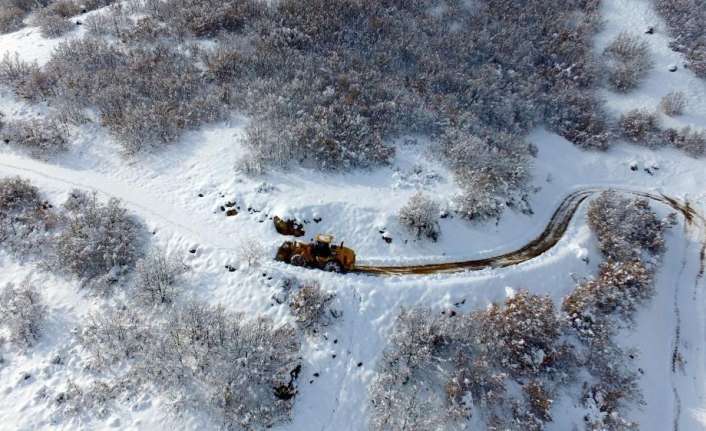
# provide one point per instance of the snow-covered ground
(163, 189)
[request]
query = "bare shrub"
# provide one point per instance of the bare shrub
(144, 95)
(98, 239)
(421, 216)
(11, 18)
(25, 218)
(250, 250)
(640, 127)
(25, 78)
(492, 172)
(684, 19)
(22, 312)
(42, 138)
(626, 228)
(52, 25)
(402, 393)
(691, 141)
(627, 60)
(525, 334)
(241, 369)
(441, 369)
(618, 290)
(157, 277)
(115, 334)
(311, 307)
(673, 103)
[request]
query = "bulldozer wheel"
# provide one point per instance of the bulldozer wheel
(297, 260)
(333, 266)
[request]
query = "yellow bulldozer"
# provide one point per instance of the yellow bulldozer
(321, 254)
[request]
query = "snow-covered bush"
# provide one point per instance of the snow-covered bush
(157, 277)
(673, 103)
(115, 334)
(11, 17)
(641, 127)
(492, 172)
(311, 307)
(243, 370)
(626, 227)
(25, 78)
(13, 12)
(250, 250)
(523, 335)
(691, 141)
(22, 312)
(441, 369)
(52, 25)
(98, 239)
(25, 218)
(421, 216)
(144, 95)
(618, 290)
(685, 20)
(403, 392)
(627, 60)
(42, 138)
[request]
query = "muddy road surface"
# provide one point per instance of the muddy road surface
(555, 230)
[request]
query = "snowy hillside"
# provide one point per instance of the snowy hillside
(324, 372)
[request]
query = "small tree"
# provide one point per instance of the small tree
(157, 277)
(22, 312)
(421, 216)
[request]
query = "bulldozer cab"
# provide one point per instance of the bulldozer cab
(322, 245)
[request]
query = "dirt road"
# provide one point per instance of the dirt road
(554, 231)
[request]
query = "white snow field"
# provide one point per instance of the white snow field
(163, 190)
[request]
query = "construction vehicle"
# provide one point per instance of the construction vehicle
(321, 254)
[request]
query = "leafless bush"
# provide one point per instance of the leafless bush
(97, 239)
(641, 127)
(626, 228)
(673, 103)
(627, 60)
(618, 290)
(403, 393)
(13, 12)
(693, 142)
(241, 369)
(421, 216)
(42, 138)
(250, 250)
(22, 312)
(311, 307)
(25, 78)
(113, 335)
(440, 369)
(52, 25)
(685, 20)
(25, 218)
(525, 335)
(493, 171)
(11, 17)
(158, 277)
(144, 95)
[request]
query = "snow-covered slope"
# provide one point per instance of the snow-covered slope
(165, 190)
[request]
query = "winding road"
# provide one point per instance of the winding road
(168, 214)
(554, 231)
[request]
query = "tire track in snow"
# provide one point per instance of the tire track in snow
(125, 193)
